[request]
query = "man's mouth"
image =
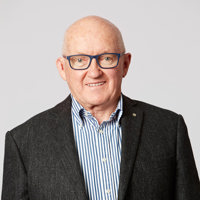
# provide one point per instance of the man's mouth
(95, 84)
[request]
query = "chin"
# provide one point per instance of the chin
(96, 100)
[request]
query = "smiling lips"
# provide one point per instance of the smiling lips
(95, 84)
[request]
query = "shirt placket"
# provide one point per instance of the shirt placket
(105, 161)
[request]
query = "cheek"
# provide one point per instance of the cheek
(116, 75)
(75, 78)
(114, 81)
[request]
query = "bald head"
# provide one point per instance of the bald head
(91, 31)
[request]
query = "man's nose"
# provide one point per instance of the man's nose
(94, 70)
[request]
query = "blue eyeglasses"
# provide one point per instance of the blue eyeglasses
(105, 60)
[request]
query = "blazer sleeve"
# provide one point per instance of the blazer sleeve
(187, 180)
(14, 185)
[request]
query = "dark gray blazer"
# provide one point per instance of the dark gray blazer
(157, 163)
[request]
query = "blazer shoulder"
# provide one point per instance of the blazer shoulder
(153, 114)
(147, 107)
(42, 119)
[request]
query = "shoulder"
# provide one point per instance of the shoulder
(152, 114)
(42, 120)
(147, 107)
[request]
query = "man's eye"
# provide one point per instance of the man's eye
(79, 60)
(107, 58)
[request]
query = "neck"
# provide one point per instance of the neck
(102, 112)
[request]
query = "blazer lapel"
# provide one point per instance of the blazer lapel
(64, 144)
(131, 123)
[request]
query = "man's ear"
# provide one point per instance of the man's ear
(60, 64)
(127, 61)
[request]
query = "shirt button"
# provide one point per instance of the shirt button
(80, 126)
(104, 159)
(101, 131)
(107, 191)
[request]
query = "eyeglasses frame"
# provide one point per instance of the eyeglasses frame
(96, 57)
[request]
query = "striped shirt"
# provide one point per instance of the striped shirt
(99, 150)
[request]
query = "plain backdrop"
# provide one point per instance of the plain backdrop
(163, 37)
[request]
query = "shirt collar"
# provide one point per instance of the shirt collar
(77, 109)
(79, 112)
(118, 111)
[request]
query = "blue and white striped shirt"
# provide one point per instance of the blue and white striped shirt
(99, 150)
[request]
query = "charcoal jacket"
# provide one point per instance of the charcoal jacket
(157, 163)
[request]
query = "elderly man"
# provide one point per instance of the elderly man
(99, 144)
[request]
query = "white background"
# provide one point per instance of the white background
(163, 37)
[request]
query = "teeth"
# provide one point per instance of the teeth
(95, 84)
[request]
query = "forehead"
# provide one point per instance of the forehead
(92, 39)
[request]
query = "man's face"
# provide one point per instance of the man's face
(95, 86)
